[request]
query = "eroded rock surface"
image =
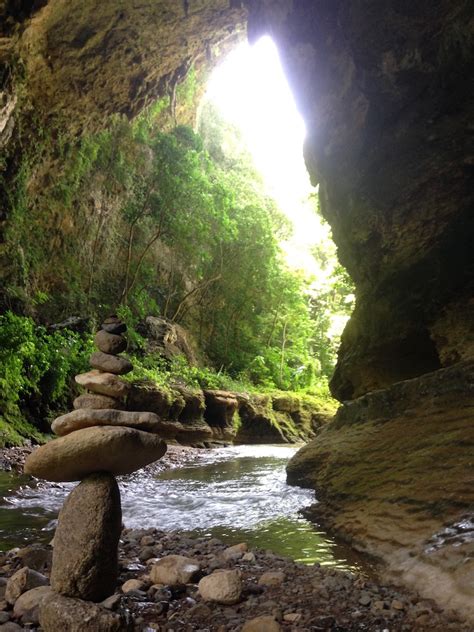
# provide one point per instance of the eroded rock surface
(382, 90)
(394, 476)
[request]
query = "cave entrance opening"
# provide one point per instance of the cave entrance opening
(250, 93)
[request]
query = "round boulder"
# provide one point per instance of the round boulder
(109, 343)
(173, 570)
(222, 587)
(110, 363)
(85, 553)
(94, 401)
(97, 449)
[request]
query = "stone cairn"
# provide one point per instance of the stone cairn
(96, 442)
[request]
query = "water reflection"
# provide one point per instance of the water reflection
(236, 494)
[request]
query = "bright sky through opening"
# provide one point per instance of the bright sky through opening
(251, 90)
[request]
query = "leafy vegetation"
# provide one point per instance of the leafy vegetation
(36, 368)
(139, 221)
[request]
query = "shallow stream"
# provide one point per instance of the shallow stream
(238, 494)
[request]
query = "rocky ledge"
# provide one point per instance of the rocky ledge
(394, 476)
(170, 582)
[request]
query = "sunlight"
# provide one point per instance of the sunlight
(250, 89)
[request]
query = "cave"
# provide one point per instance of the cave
(383, 87)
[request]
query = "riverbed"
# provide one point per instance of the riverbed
(238, 494)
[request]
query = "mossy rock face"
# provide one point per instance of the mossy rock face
(279, 418)
(149, 397)
(393, 470)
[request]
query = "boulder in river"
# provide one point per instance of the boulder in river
(110, 343)
(85, 563)
(110, 363)
(103, 383)
(99, 449)
(86, 418)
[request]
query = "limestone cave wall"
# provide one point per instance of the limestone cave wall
(383, 87)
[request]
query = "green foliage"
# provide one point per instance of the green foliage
(36, 368)
(139, 221)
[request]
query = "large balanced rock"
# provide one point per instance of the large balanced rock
(110, 363)
(103, 383)
(109, 343)
(85, 562)
(86, 418)
(98, 449)
(95, 401)
(58, 614)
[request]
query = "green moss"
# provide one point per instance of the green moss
(17, 432)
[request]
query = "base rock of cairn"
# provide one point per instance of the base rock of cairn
(97, 441)
(85, 557)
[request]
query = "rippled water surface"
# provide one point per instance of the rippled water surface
(237, 494)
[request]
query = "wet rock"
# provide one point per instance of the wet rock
(38, 558)
(234, 552)
(28, 604)
(109, 343)
(173, 570)
(87, 418)
(110, 363)
(23, 580)
(133, 585)
(248, 557)
(74, 615)
(115, 450)
(117, 327)
(262, 624)
(85, 563)
(11, 627)
(103, 384)
(272, 578)
(222, 586)
(94, 401)
(112, 602)
(292, 617)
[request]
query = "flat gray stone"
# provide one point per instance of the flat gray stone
(103, 383)
(110, 363)
(85, 554)
(98, 449)
(110, 343)
(86, 418)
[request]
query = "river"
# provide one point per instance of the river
(238, 494)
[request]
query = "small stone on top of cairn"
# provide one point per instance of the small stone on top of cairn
(96, 442)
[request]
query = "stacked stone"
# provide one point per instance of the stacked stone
(96, 442)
